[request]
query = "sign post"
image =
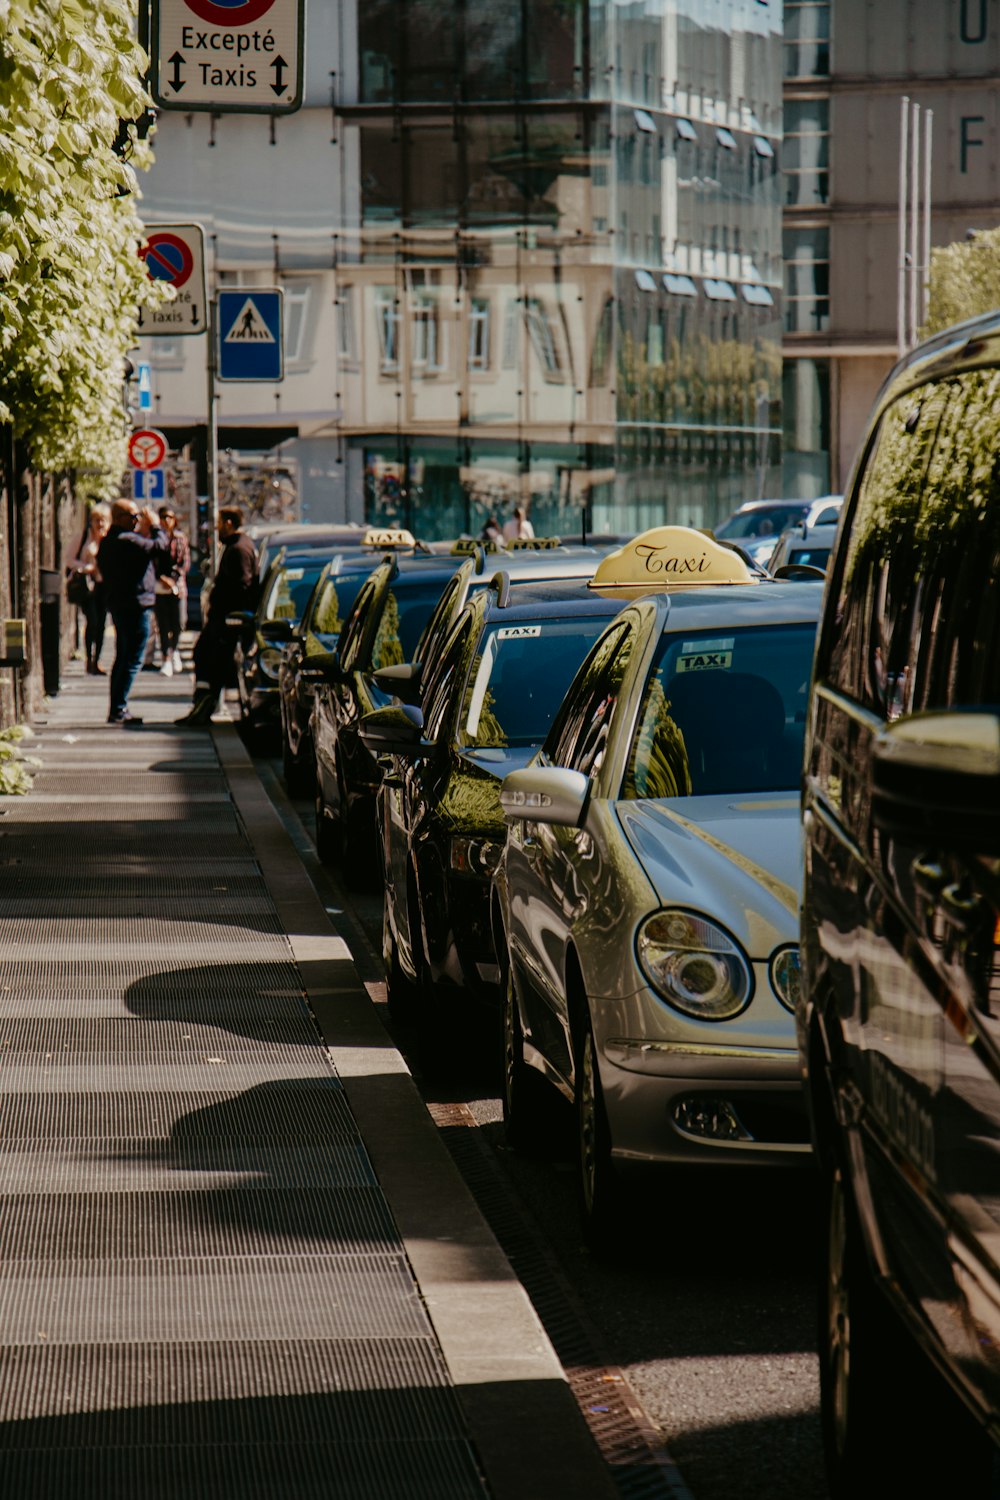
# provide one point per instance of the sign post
(228, 56)
(175, 253)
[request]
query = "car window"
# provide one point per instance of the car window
(437, 627)
(722, 712)
(408, 606)
(287, 593)
(580, 735)
(439, 687)
(357, 620)
(519, 677)
(816, 557)
(332, 604)
(917, 621)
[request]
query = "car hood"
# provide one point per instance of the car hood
(471, 801)
(738, 858)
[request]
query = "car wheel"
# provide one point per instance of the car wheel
(600, 1195)
(524, 1090)
(877, 1389)
(402, 993)
(326, 833)
(357, 851)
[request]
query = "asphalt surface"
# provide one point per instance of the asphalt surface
(709, 1310)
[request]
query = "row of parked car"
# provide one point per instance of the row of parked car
(605, 854)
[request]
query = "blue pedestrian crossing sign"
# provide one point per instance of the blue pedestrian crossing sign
(148, 485)
(250, 335)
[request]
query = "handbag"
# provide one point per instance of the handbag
(78, 589)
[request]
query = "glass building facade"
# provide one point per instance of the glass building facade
(541, 262)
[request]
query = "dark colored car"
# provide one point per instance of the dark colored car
(284, 592)
(382, 630)
(488, 704)
(311, 642)
(899, 1020)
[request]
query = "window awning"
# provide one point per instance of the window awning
(725, 138)
(644, 281)
(644, 121)
(762, 146)
(685, 129)
(680, 286)
(757, 296)
(718, 291)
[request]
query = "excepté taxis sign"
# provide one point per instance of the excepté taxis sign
(228, 56)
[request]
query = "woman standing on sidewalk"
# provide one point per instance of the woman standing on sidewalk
(171, 593)
(95, 607)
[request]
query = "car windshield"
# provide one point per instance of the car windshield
(763, 520)
(408, 607)
(333, 604)
(724, 712)
(816, 557)
(519, 678)
(288, 592)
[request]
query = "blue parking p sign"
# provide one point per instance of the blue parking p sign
(148, 485)
(250, 335)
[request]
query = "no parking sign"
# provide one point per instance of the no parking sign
(175, 254)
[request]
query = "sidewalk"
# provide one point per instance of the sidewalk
(235, 1259)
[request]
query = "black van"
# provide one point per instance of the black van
(899, 1023)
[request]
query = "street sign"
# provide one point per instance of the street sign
(145, 387)
(175, 253)
(228, 56)
(147, 448)
(250, 336)
(149, 485)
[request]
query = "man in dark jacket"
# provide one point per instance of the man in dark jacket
(234, 591)
(126, 561)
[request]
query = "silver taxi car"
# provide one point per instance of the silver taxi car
(646, 903)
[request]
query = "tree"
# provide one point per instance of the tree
(71, 281)
(964, 280)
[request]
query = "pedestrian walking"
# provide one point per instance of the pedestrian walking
(518, 528)
(171, 593)
(234, 591)
(86, 588)
(491, 530)
(126, 560)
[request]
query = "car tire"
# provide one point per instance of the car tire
(890, 1422)
(402, 993)
(523, 1090)
(357, 849)
(599, 1187)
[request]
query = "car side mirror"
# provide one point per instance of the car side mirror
(936, 780)
(401, 681)
(546, 794)
(800, 573)
(242, 620)
(324, 666)
(397, 729)
(276, 630)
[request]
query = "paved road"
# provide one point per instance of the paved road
(710, 1310)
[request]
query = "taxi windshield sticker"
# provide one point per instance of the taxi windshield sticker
(706, 656)
(294, 573)
(518, 632)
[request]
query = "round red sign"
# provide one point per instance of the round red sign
(147, 448)
(229, 12)
(167, 257)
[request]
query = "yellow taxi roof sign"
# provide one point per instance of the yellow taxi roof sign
(388, 536)
(670, 557)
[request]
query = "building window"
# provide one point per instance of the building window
(479, 334)
(297, 322)
(428, 353)
(387, 321)
(544, 338)
(807, 38)
(807, 280)
(510, 323)
(806, 155)
(347, 346)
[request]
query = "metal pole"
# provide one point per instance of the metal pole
(213, 437)
(928, 138)
(914, 221)
(904, 121)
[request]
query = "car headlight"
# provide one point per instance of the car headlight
(478, 857)
(786, 976)
(270, 661)
(693, 965)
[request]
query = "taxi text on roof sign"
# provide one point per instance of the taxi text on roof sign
(388, 537)
(670, 557)
(228, 56)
